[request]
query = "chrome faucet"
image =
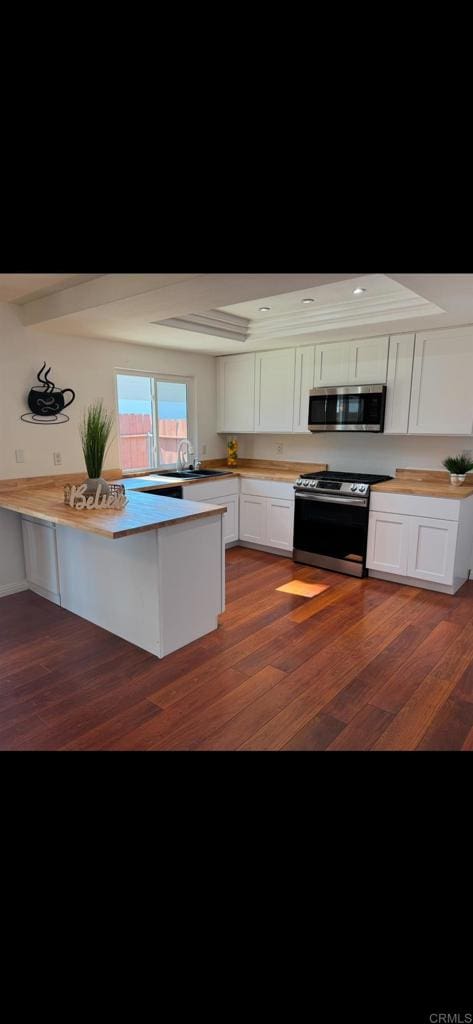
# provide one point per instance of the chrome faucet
(183, 463)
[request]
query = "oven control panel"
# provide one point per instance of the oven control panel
(341, 487)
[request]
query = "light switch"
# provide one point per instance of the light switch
(19, 455)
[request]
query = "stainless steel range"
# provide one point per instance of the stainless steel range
(331, 520)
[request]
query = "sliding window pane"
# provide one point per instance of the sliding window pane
(172, 420)
(135, 414)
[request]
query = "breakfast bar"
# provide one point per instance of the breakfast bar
(152, 573)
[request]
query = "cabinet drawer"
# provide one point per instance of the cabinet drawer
(268, 488)
(207, 491)
(415, 505)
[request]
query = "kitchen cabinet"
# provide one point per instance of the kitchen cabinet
(39, 544)
(368, 361)
(431, 549)
(441, 397)
(303, 382)
(267, 514)
(279, 523)
(387, 543)
(253, 518)
(399, 378)
(422, 541)
(219, 492)
(331, 364)
(236, 393)
(274, 390)
(363, 361)
(230, 517)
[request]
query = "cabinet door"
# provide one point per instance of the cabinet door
(388, 543)
(398, 393)
(236, 393)
(253, 519)
(442, 397)
(368, 361)
(304, 381)
(331, 364)
(39, 544)
(432, 544)
(230, 517)
(279, 523)
(275, 390)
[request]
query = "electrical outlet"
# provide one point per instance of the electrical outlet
(19, 455)
(279, 449)
(57, 458)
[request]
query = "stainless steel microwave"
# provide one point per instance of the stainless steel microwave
(348, 408)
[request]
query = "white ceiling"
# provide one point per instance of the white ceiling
(24, 287)
(124, 306)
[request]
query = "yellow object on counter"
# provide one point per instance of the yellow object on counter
(232, 452)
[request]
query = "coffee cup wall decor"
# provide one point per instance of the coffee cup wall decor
(46, 401)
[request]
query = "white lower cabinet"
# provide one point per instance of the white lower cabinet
(253, 519)
(431, 554)
(430, 550)
(267, 514)
(387, 543)
(230, 517)
(258, 511)
(39, 543)
(279, 523)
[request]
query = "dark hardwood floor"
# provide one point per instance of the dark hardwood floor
(366, 665)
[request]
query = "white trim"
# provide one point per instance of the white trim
(13, 588)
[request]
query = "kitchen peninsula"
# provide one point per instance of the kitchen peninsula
(160, 587)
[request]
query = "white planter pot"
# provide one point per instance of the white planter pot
(456, 479)
(92, 485)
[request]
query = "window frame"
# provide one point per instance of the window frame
(156, 376)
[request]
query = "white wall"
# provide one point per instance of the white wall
(356, 453)
(87, 366)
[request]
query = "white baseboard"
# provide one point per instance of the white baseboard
(13, 588)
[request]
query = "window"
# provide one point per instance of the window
(153, 418)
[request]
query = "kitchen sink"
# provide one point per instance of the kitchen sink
(191, 473)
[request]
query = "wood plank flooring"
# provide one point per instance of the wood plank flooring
(364, 665)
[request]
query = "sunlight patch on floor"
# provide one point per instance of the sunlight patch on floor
(303, 589)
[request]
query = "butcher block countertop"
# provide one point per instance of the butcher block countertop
(256, 469)
(143, 511)
(428, 483)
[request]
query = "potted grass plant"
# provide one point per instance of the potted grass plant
(457, 466)
(95, 429)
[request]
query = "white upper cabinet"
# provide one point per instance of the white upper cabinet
(368, 361)
(304, 381)
(275, 390)
(401, 354)
(236, 393)
(351, 362)
(331, 364)
(442, 394)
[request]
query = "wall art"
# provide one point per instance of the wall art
(46, 401)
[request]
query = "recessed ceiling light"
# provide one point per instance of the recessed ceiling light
(305, 302)
(358, 291)
(264, 309)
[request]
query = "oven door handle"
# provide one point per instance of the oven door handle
(360, 502)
